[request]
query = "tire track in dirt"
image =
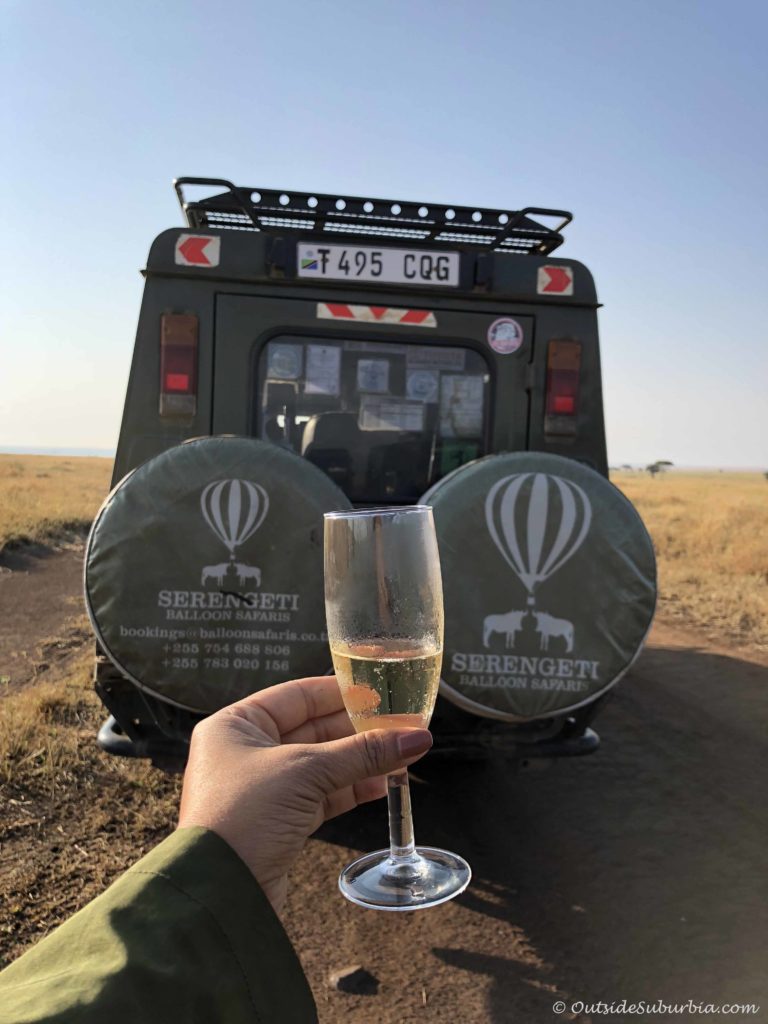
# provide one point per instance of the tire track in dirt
(42, 615)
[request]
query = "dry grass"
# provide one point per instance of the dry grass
(48, 737)
(40, 728)
(48, 747)
(43, 497)
(710, 531)
(71, 817)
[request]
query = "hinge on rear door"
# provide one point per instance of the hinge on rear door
(483, 272)
(281, 257)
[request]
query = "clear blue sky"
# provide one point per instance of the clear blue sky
(647, 119)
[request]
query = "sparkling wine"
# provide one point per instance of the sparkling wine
(388, 684)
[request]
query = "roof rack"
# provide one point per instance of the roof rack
(353, 217)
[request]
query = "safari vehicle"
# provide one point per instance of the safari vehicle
(372, 352)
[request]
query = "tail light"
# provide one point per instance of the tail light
(178, 364)
(562, 394)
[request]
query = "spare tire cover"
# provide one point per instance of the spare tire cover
(204, 571)
(549, 578)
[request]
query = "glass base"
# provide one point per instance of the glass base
(427, 878)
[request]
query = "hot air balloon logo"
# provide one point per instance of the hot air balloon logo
(538, 522)
(234, 510)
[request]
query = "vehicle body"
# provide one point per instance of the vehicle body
(322, 324)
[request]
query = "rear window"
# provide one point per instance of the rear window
(384, 421)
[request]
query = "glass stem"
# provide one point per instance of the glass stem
(401, 841)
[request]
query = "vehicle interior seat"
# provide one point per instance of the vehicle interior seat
(333, 442)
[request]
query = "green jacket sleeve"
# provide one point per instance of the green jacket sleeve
(186, 934)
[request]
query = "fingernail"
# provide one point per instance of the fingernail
(415, 741)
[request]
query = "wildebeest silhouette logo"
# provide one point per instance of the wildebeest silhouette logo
(548, 626)
(508, 624)
(247, 572)
(538, 522)
(234, 510)
(214, 572)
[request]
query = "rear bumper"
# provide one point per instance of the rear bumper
(143, 726)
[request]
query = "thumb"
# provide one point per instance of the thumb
(375, 752)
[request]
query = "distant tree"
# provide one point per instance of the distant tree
(765, 475)
(653, 469)
(626, 466)
(663, 463)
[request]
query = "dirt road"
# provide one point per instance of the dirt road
(637, 873)
(42, 608)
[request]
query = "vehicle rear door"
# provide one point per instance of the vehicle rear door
(386, 398)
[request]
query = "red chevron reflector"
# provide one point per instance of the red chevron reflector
(555, 281)
(376, 314)
(197, 251)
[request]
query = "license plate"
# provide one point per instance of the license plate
(366, 263)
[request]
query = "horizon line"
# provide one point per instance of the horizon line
(109, 453)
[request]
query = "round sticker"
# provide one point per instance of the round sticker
(204, 571)
(549, 582)
(505, 336)
(423, 385)
(284, 361)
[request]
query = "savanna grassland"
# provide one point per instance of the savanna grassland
(45, 496)
(72, 818)
(710, 532)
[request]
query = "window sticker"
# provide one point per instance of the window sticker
(383, 347)
(422, 385)
(323, 370)
(433, 357)
(284, 361)
(461, 406)
(505, 336)
(390, 414)
(373, 375)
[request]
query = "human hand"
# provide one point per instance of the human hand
(264, 773)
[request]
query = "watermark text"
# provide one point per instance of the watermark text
(644, 1007)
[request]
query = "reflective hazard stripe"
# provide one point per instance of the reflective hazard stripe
(376, 314)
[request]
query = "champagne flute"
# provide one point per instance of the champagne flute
(384, 606)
